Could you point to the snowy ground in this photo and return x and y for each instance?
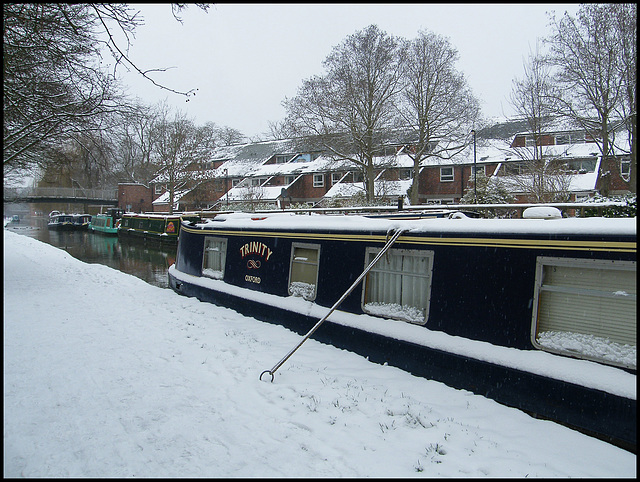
(107, 376)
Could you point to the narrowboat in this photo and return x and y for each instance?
(81, 221)
(69, 222)
(163, 228)
(61, 222)
(106, 223)
(537, 314)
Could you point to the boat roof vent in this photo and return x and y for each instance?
(542, 212)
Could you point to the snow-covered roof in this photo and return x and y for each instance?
(254, 151)
(257, 167)
(258, 194)
(177, 195)
(250, 159)
(577, 183)
(388, 188)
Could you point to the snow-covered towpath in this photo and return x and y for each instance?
(107, 376)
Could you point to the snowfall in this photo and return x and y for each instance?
(108, 376)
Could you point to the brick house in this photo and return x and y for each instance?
(134, 197)
(277, 174)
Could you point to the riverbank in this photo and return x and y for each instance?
(108, 376)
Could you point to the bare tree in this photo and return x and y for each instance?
(349, 109)
(252, 196)
(55, 87)
(535, 100)
(626, 22)
(135, 142)
(586, 52)
(85, 162)
(544, 180)
(227, 136)
(436, 102)
(280, 130)
(181, 148)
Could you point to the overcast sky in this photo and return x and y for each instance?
(245, 59)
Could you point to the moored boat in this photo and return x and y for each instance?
(538, 314)
(162, 228)
(61, 222)
(106, 223)
(69, 222)
(81, 221)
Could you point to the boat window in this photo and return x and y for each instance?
(586, 308)
(214, 257)
(399, 285)
(303, 271)
(154, 225)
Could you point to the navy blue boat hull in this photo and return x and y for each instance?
(597, 413)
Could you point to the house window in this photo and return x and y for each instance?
(214, 257)
(302, 158)
(318, 180)
(399, 285)
(581, 166)
(158, 189)
(282, 159)
(289, 179)
(577, 138)
(584, 303)
(479, 170)
(406, 174)
(514, 168)
(335, 177)
(235, 182)
(625, 169)
(446, 174)
(387, 151)
(303, 270)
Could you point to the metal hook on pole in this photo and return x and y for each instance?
(389, 242)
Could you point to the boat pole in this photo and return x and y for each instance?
(382, 252)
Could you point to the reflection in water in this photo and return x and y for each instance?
(149, 262)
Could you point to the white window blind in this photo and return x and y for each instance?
(214, 257)
(399, 285)
(303, 272)
(595, 300)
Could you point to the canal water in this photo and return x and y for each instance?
(148, 262)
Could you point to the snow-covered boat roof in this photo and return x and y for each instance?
(319, 222)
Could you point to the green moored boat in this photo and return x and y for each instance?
(156, 227)
(106, 223)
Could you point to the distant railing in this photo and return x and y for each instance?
(19, 193)
(508, 210)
